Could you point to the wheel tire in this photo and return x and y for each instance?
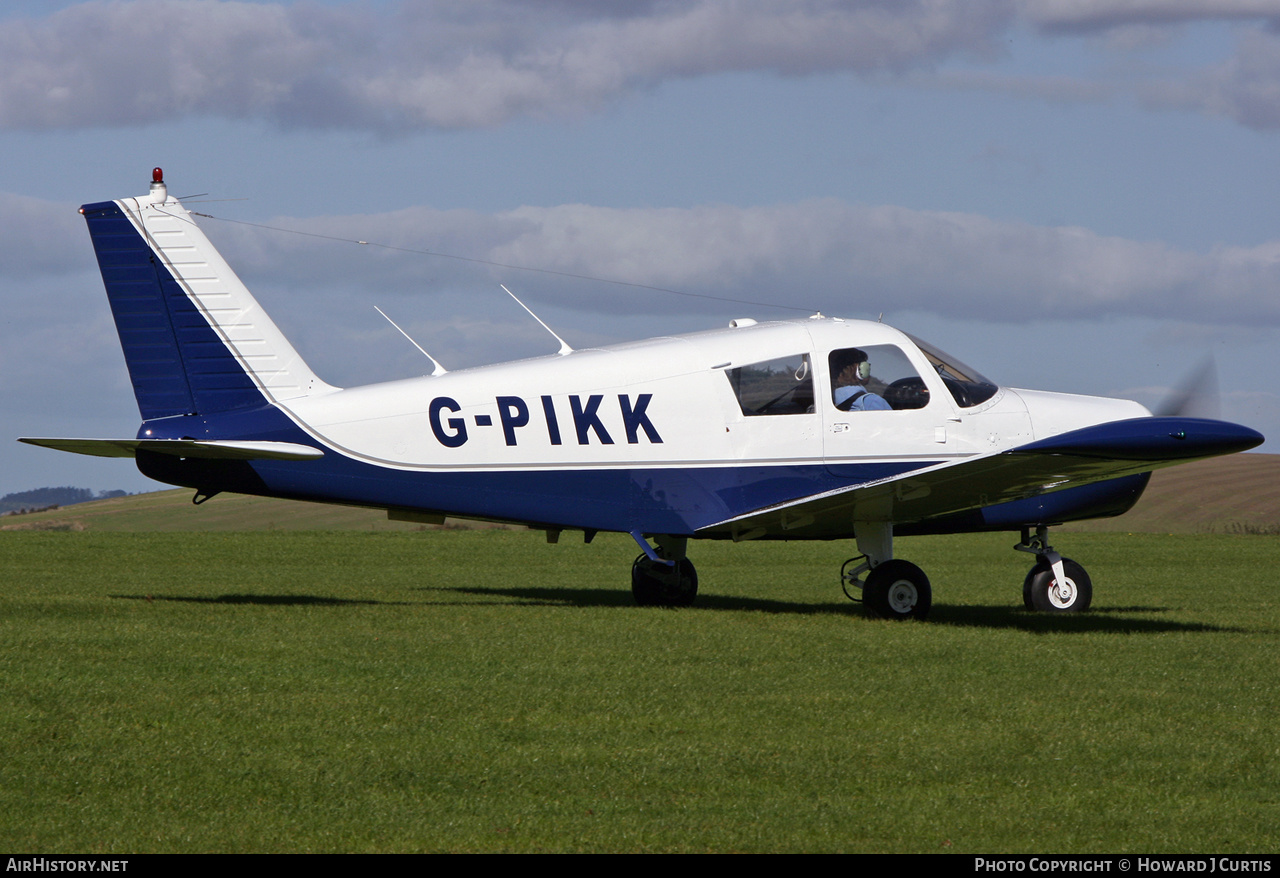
(1026, 584)
(897, 590)
(654, 584)
(1047, 597)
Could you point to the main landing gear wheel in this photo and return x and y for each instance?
(655, 584)
(1041, 592)
(897, 590)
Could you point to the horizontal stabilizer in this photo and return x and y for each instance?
(205, 449)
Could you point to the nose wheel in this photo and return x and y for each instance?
(1043, 591)
(1055, 584)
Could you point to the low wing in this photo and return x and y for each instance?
(207, 449)
(1081, 457)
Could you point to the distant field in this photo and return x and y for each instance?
(484, 691)
(1240, 493)
(173, 512)
(1235, 494)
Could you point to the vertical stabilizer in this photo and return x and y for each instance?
(195, 340)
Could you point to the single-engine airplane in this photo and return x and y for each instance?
(810, 429)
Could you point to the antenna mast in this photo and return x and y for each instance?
(439, 370)
(564, 345)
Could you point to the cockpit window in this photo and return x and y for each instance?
(967, 385)
(777, 387)
(875, 378)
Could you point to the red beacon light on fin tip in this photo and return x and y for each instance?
(158, 190)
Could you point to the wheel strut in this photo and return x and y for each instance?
(1038, 545)
(1055, 584)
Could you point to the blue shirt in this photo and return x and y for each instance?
(868, 402)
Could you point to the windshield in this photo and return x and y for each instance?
(967, 386)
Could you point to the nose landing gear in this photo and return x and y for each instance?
(1055, 584)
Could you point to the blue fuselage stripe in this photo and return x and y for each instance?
(651, 499)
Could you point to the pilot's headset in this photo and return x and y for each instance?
(863, 364)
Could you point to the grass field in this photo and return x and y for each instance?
(484, 691)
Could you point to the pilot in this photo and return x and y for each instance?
(850, 370)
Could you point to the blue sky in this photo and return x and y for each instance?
(1079, 196)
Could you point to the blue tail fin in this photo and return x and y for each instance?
(194, 338)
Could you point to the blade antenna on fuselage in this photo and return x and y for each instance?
(439, 369)
(564, 345)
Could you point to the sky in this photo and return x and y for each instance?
(1068, 195)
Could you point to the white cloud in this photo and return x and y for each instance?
(1245, 88)
(124, 63)
(442, 64)
(1103, 14)
(822, 254)
(449, 65)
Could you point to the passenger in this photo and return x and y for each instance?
(850, 370)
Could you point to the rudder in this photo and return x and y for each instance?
(195, 340)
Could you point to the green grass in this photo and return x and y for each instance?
(484, 691)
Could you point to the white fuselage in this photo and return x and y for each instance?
(669, 402)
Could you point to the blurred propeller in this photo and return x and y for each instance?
(1196, 396)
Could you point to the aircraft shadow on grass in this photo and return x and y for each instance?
(1113, 620)
(535, 596)
(294, 600)
(1109, 620)
(1117, 620)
